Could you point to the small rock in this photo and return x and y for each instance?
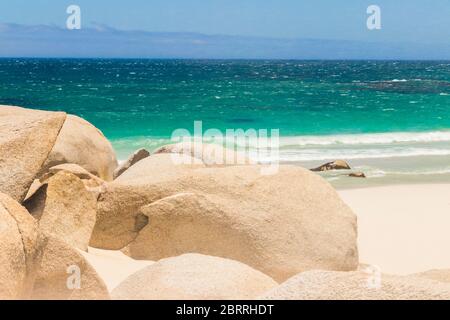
(357, 175)
(334, 165)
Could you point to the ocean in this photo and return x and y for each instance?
(389, 119)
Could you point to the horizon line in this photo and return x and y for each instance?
(221, 59)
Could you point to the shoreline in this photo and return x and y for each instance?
(364, 186)
(388, 167)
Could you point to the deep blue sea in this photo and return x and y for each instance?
(390, 119)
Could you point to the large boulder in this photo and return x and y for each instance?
(79, 142)
(65, 209)
(158, 168)
(64, 274)
(328, 285)
(26, 139)
(194, 277)
(267, 222)
(133, 159)
(18, 254)
(119, 219)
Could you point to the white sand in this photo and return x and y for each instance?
(113, 266)
(403, 229)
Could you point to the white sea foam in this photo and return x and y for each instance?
(421, 172)
(352, 155)
(399, 80)
(368, 138)
(331, 147)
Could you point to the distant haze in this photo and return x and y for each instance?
(105, 42)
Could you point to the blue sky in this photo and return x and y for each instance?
(417, 21)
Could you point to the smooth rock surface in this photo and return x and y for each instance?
(194, 277)
(79, 142)
(64, 274)
(266, 222)
(119, 219)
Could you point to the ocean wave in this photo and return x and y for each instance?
(420, 172)
(312, 148)
(399, 80)
(374, 173)
(352, 140)
(378, 173)
(324, 155)
(366, 138)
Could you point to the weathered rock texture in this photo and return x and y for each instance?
(65, 209)
(18, 250)
(26, 139)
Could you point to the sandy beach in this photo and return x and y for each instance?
(113, 266)
(402, 229)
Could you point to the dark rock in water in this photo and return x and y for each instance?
(357, 175)
(335, 165)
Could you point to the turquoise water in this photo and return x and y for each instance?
(362, 111)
